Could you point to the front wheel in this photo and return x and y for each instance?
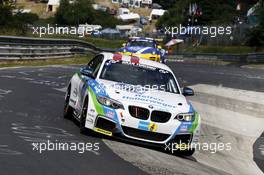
(67, 112)
(83, 116)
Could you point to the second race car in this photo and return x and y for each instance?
(147, 48)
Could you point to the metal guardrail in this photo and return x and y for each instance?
(13, 48)
(239, 58)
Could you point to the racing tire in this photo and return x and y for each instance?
(68, 110)
(83, 130)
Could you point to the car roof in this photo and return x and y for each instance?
(141, 39)
(110, 56)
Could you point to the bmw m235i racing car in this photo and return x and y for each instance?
(138, 99)
(147, 48)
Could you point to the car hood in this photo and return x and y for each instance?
(138, 49)
(158, 100)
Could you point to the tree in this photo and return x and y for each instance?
(6, 8)
(175, 15)
(80, 11)
(5, 15)
(106, 20)
(213, 12)
(166, 4)
(256, 34)
(217, 11)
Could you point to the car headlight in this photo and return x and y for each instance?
(154, 53)
(109, 102)
(187, 117)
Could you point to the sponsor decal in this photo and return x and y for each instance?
(151, 107)
(75, 92)
(152, 127)
(183, 128)
(102, 131)
(148, 99)
(110, 114)
(134, 49)
(147, 126)
(143, 125)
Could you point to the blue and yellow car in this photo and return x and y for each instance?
(147, 48)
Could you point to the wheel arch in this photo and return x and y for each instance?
(86, 98)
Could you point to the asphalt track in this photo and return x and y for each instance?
(31, 102)
(31, 111)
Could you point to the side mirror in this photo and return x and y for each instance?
(124, 44)
(87, 72)
(159, 47)
(187, 91)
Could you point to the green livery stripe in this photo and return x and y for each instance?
(79, 75)
(98, 107)
(195, 123)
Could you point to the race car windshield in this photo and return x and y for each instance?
(140, 43)
(139, 75)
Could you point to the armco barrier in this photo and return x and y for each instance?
(239, 58)
(12, 48)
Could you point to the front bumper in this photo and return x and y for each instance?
(110, 127)
(113, 122)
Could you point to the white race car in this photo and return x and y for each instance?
(120, 95)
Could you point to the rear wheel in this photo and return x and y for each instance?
(67, 112)
(83, 116)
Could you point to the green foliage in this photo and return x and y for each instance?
(213, 12)
(14, 23)
(25, 18)
(175, 15)
(7, 18)
(75, 13)
(106, 20)
(81, 12)
(166, 4)
(256, 34)
(5, 14)
(217, 11)
(58, 61)
(256, 37)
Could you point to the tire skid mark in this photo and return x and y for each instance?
(43, 134)
(5, 150)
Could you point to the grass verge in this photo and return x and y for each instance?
(46, 62)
